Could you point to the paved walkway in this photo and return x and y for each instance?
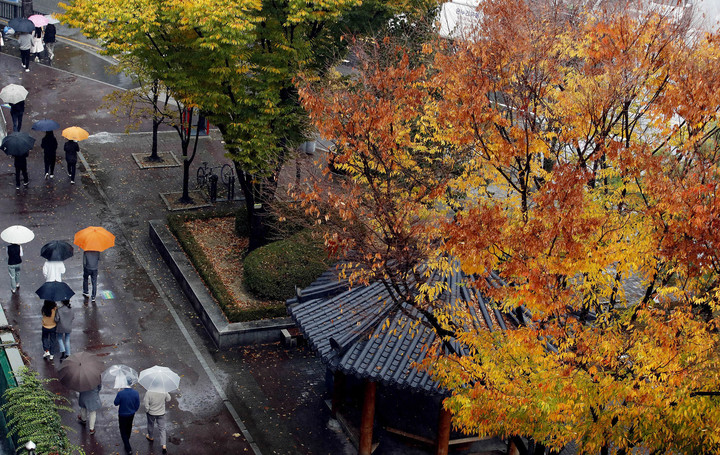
(262, 399)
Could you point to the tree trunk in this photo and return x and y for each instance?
(27, 8)
(154, 153)
(185, 198)
(155, 121)
(256, 210)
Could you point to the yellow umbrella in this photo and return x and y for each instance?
(94, 238)
(75, 133)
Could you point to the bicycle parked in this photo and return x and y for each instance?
(205, 171)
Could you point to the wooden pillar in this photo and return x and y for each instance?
(367, 419)
(512, 448)
(337, 393)
(443, 432)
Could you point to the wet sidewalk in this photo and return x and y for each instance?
(262, 399)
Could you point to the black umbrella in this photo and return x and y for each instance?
(57, 250)
(45, 125)
(55, 291)
(17, 144)
(22, 25)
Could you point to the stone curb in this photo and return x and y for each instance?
(223, 333)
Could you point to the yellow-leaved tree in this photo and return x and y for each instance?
(574, 153)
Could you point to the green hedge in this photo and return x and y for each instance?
(197, 256)
(33, 414)
(273, 271)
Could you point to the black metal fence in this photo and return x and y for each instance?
(10, 9)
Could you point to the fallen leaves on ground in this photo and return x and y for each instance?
(224, 249)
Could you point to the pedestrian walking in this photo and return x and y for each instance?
(89, 402)
(16, 112)
(20, 168)
(128, 402)
(25, 43)
(91, 260)
(15, 253)
(49, 328)
(49, 39)
(53, 270)
(71, 150)
(49, 145)
(37, 48)
(154, 403)
(64, 318)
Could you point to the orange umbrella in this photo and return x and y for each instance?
(75, 133)
(94, 238)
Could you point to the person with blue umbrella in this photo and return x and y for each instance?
(49, 144)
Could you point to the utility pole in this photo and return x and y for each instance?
(27, 8)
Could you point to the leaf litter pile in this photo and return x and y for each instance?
(224, 249)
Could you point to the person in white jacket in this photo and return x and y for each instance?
(53, 270)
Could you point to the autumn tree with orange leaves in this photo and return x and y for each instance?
(576, 154)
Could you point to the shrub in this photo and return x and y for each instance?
(32, 414)
(274, 270)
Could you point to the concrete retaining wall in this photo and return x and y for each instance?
(222, 332)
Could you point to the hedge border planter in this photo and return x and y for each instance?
(223, 333)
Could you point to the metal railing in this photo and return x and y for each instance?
(10, 9)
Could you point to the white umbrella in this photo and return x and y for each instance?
(159, 379)
(17, 234)
(51, 19)
(13, 93)
(121, 376)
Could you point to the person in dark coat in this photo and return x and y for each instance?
(71, 150)
(128, 402)
(16, 112)
(49, 39)
(15, 253)
(21, 167)
(49, 145)
(91, 259)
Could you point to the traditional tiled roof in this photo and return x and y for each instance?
(363, 332)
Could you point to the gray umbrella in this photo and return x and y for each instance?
(21, 25)
(17, 144)
(81, 371)
(13, 93)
